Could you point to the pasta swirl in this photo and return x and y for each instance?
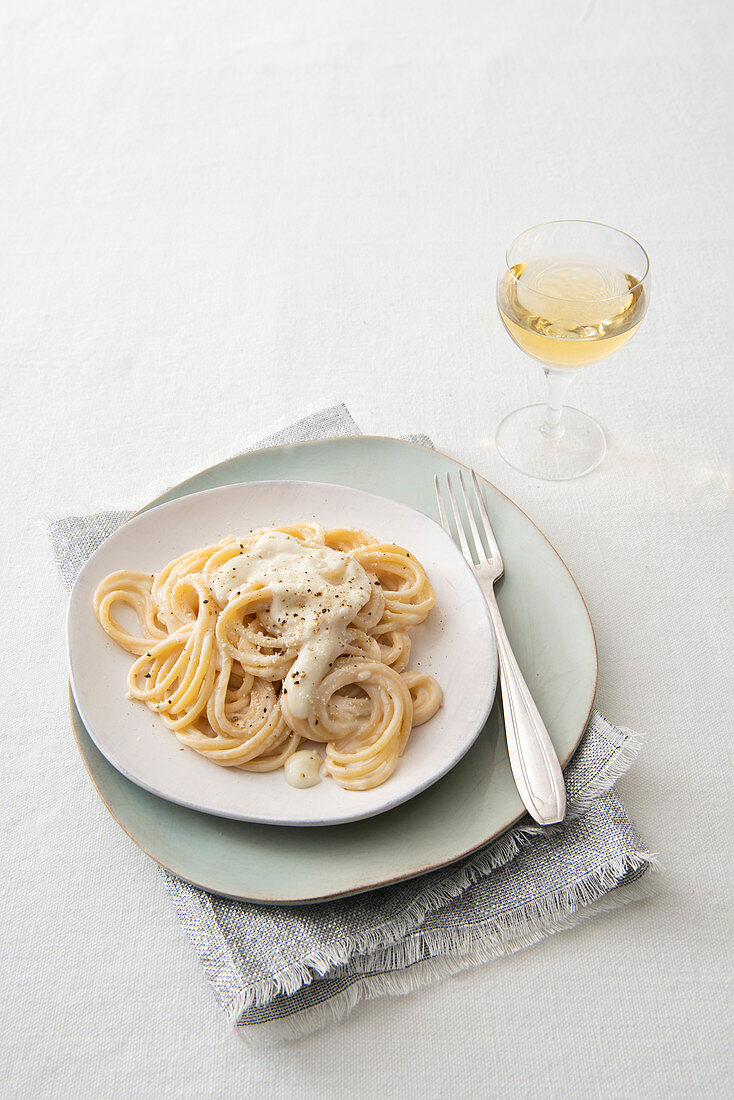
(250, 646)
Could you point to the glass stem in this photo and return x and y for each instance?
(558, 383)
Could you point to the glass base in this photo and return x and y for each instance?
(579, 450)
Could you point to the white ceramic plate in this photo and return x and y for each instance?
(455, 644)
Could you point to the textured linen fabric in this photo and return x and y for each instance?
(217, 218)
(282, 972)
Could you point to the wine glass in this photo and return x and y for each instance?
(571, 293)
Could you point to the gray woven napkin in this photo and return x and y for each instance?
(281, 972)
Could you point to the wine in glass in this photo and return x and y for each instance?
(571, 293)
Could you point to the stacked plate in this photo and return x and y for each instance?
(250, 835)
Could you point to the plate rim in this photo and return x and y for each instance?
(384, 880)
(348, 816)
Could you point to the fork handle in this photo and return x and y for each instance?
(535, 768)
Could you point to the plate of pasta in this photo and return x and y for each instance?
(291, 653)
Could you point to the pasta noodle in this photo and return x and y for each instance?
(248, 647)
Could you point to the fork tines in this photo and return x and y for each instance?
(478, 554)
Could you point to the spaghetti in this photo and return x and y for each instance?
(250, 647)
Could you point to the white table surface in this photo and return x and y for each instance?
(219, 216)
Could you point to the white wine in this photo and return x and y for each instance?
(568, 314)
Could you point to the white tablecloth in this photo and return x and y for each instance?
(219, 216)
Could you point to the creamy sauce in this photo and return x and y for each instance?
(316, 594)
(303, 769)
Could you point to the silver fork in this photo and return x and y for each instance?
(535, 768)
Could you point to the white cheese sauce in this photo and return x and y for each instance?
(303, 769)
(316, 593)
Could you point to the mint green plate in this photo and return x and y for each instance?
(553, 639)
